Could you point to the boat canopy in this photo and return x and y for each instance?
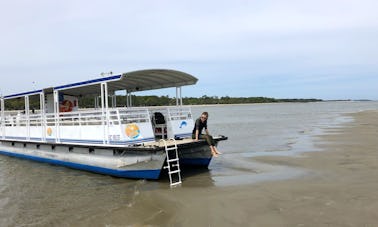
(141, 80)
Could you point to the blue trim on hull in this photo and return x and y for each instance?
(139, 174)
(195, 161)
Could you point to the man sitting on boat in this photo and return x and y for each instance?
(201, 123)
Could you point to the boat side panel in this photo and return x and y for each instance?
(200, 162)
(196, 156)
(82, 134)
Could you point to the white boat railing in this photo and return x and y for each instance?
(95, 126)
(179, 113)
(47, 126)
(179, 121)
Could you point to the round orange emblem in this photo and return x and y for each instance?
(132, 131)
(49, 131)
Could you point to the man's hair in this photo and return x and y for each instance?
(206, 114)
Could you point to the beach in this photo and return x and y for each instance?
(338, 189)
(341, 189)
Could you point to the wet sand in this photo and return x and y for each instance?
(339, 188)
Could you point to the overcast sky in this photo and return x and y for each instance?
(324, 49)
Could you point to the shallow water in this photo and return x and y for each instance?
(35, 194)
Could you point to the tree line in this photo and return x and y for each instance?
(151, 100)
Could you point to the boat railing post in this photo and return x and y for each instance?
(43, 115)
(56, 116)
(2, 118)
(119, 119)
(102, 113)
(27, 115)
(107, 114)
(169, 124)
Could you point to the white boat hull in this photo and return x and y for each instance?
(142, 162)
(145, 165)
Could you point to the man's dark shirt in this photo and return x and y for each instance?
(200, 126)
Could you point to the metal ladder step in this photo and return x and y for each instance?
(171, 148)
(174, 171)
(176, 183)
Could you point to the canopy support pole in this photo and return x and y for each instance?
(43, 115)
(27, 115)
(127, 99)
(129, 102)
(56, 111)
(96, 102)
(2, 117)
(178, 96)
(105, 111)
(114, 101)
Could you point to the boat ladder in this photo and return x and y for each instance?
(173, 164)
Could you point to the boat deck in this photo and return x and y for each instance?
(169, 142)
(180, 142)
(148, 146)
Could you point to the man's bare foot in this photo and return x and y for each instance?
(215, 150)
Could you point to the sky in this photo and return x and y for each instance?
(325, 49)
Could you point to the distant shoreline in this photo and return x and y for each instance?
(240, 104)
(152, 100)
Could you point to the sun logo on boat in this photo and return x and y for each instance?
(49, 131)
(132, 131)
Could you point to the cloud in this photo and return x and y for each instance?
(59, 42)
